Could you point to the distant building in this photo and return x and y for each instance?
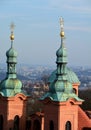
(61, 103)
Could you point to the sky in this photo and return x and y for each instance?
(37, 29)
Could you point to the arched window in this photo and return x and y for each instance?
(16, 123)
(36, 125)
(68, 125)
(51, 125)
(1, 122)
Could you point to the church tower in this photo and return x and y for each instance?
(61, 103)
(12, 98)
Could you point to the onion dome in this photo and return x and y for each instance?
(10, 87)
(11, 84)
(11, 52)
(61, 52)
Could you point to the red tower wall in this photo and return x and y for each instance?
(11, 107)
(60, 113)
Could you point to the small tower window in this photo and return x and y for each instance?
(1, 122)
(51, 125)
(16, 123)
(68, 125)
(74, 91)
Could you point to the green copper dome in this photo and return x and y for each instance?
(61, 52)
(60, 90)
(11, 52)
(11, 84)
(10, 87)
(61, 94)
(71, 76)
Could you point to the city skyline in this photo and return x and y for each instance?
(37, 29)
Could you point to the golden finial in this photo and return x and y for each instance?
(12, 29)
(62, 27)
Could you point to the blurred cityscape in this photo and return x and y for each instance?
(35, 77)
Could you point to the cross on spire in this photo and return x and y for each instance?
(61, 22)
(12, 26)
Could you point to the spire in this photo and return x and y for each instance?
(11, 85)
(11, 56)
(12, 26)
(61, 55)
(61, 89)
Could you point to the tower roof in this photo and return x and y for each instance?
(71, 76)
(60, 88)
(11, 85)
(11, 52)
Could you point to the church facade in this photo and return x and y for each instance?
(62, 109)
